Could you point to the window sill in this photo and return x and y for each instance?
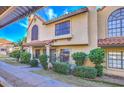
(115, 69)
(63, 36)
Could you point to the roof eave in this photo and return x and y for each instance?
(84, 10)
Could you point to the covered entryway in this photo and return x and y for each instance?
(41, 47)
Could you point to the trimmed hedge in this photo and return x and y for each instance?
(99, 70)
(79, 58)
(34, 63)
(61, 67)
(85, 72)
(25, 57)
(43, 60)
(97, 56)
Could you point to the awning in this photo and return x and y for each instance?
(11, 14)
(39, 43)
(110, 42)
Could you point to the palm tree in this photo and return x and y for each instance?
(19, 43)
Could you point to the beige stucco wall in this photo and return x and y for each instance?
(103, 33)
(83, 31)
(79, 30)
(83, 36)
(72, 49)
(102, 20)
(113, 71)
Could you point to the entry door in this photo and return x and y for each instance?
(52, 55)
(37, 53)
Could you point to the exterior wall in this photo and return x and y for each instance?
(113, 71)
(43, 34)
(102, 20)
(103, 33)
(72, 49)
(86, 29)
(83, 36)
(79, 31)
(7, 49)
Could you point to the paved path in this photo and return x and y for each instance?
(21, 77)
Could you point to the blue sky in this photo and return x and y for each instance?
(17, 30)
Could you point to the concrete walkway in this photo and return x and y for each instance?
(21, 77)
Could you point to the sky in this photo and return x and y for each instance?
(18, 30)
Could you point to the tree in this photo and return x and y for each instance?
(97, 57)
(19, 43)
(79, 58)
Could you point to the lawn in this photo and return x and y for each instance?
(77, 81)
(10, 60)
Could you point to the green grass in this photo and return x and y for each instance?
(9, 60)
(77, 81)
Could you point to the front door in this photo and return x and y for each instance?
(37, 53)
(52, 55)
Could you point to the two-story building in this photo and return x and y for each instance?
(81, 31)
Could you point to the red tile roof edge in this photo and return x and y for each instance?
(115, 41)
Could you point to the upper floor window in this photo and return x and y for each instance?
(116, 23)
(34, 33)
(62, 28)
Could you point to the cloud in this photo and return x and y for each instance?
(24, 25)
(65, 11)
(50, 13)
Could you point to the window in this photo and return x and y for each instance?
(2, 49)
(64, 55)
(34, 34)
(62, 28)
(116, 60)
(116, 23)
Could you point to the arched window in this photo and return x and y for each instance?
(116, 23)
(34, 33)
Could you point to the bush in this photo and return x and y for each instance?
(61, 67)
(15, 54)
(25, 57)
(79, 58)
(97, 57)
(34, 63)
(85, 72)
(43, 60)
(99, 70)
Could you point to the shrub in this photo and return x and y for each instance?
(34, 63)
(15, 54)
(25, 57)
(97, 57)
(79, 58)
(85, 72)
(61, 67)
(99, 70)
(43, 60)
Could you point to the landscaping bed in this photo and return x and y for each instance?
(10, 60)
(74, 80)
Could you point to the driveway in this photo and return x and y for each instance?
(19, 76)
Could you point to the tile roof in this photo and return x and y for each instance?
(115, 41)
(82, 10)
(38, 43)
(4, 42)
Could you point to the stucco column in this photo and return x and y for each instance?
(48, 52)
(31, 52)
